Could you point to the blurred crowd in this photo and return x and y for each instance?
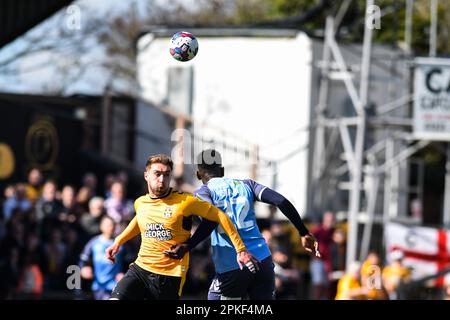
(46, 228)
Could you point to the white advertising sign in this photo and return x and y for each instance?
(432, 99)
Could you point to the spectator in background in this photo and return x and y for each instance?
(338, 251)
(109, 181)
(74, 245)
(15, 233)
(267, 235)
(9, 191)
(90, 221)
(94, 264)
(117, 207)
(90, 181)
(286, 277)
(10, 272)
(48, 209)
(84, 195)
(416, 209)
(321, 268)
(38, 239)
(447, 293)
(371, 277)
(280, 235)
(69, 212)
(35, 250)
(122, 176)
(31, 280)
(17, 200)
(395, 274)
(266, 222)
(34, 186)
(349, 286)
(55, 251)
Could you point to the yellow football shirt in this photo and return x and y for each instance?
(345, 286)
(164, 222)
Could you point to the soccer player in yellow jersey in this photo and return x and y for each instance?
(163, 218)
(349, 285)
(395, 274)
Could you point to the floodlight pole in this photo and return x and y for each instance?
(356, 173)
(332, 24)
(446, 214)
(433, 27)
(319, 149)
(408, 25)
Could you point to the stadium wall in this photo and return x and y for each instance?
(245, 89)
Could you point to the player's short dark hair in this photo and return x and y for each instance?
(209, 159)
(159, 158)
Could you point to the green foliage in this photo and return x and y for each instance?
(392, 32)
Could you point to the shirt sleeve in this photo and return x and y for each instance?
(256, 188)
(203, 231)
(206, 226)
(209, 212)
(204, 193)
(131, 231)
(86, 255)
(286, 207)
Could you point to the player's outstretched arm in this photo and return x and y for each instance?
(244, 258)
(309, 242)
(111, 252)
(311, 245)
(85, 262)
(130, 232)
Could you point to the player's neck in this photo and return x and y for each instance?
(154, 196)
(206, 178)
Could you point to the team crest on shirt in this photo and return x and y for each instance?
(168, 212)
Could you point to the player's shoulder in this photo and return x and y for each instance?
(242, 183)
(202, 189)
(180, 194)
(140, 200)
(186, 198)
(203, 193)
(248, 181)
(92, 241)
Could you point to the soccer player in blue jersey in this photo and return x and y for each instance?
(236, 198)
(94, 264)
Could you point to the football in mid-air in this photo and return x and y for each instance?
(183, 46)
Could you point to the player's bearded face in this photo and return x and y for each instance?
(158, 178)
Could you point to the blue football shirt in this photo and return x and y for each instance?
(104, 270)
(236, 198)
